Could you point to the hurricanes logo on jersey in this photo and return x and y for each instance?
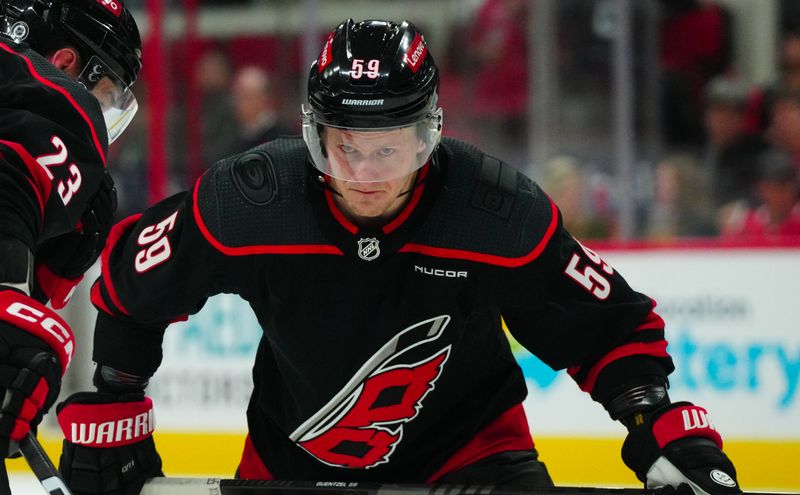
(363, 424)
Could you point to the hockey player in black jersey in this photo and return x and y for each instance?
(66, 67)
(379, 260)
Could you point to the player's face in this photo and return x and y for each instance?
(360, 159)
(106, 92)
(372, 156)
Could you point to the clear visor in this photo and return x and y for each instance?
(374, 154)
(116, 99)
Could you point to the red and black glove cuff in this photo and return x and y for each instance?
(104, 420)
(27, 314)
(657, 430)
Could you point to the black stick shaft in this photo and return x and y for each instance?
(42, 466)
(216, 486)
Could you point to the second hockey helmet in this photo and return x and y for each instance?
(373, 76)
(105, 35)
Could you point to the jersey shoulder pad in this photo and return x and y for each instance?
(60, 104)
(487, 206)
(259, 198)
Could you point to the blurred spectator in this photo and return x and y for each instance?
(566, 183)
(729, 157)
(777, 213)
(255, 107)
(128, 160)
(761, 99)
(500, 50)
(681, 206)
(218, 130)
(695, 47)
(784, 127)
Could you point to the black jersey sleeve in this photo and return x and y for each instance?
(157, 268)
(576, 312)
(53, 145)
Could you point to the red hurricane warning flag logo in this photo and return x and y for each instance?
(363, 424)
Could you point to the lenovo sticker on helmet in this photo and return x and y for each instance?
(416, 53)
(327, 54)
(112, 6)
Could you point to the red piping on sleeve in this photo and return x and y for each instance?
(652, 322)
(113, 238)
(490, 259)
(42, 185)
(260, 249)
(65, 93)
(656, 349)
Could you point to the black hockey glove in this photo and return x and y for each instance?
(108, 444)
(36, 346)
(62, 261)
(677, 446)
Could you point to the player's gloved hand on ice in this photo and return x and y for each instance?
(677, 446)
(108, 444)
(36, 346)
(62, 261)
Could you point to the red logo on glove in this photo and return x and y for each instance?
(30, 315)
(107, 425)
(684, 421)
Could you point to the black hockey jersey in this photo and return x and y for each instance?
(383, 356)
(53, 145)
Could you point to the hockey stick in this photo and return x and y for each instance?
(42, 466)
(216, 486)
(51, 481)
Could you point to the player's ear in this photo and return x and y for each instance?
(68, 60)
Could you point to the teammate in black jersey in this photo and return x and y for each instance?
(66, 67)
(379, 259)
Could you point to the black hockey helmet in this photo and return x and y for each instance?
(103, 31)
(373, 75)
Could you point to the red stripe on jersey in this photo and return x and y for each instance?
(260, 249)
(510, 431)
(419, 188)
(656, 349)
(338, 215)
(652, 322)
(113, 238)
(42, 184)
(65, 93)
(251, 467)
(490, 259)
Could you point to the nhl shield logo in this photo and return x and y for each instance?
(369, 249)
